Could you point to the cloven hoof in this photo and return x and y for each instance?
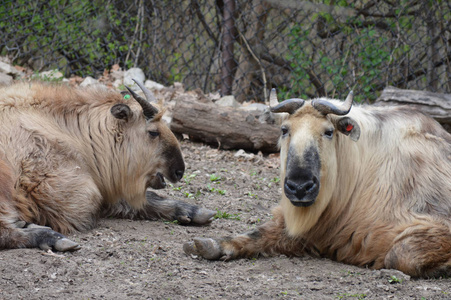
(205, 247)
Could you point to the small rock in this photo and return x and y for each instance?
(134, 73)
(89, 81)
(253, 107)
(228, 101)
(266, 117)
(5, 59)
(5, 79)
(242, 154)
(8, 69)
(149, 84)
(389, 273)
(430, 288)
(117, 83)
(51, 75)
(117, 73)
(214, 96)
(178, 87)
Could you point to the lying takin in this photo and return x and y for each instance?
(69, 156)
(369, 187)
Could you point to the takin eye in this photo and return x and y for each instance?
(284, 130)
(153, 134)
(329, 133)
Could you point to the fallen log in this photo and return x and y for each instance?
(436, 105)
(224, 127)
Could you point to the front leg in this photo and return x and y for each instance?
(268, 239)
(27, 235)
(157, 207)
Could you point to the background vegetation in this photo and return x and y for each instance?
(302, 48)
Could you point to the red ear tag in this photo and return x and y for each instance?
(349, 127)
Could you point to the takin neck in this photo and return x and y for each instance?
(99, 138)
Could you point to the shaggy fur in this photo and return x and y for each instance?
(66, 156)
(384, 200)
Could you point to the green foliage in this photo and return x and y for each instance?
(393, 279)
(361, 62)
(56, 26)
(224, 215)
(275, 180)
(178, 67)
(300, 63)
(187, 178)
(188, 195)
(171, 222)
(215, 178)
(250, 194)
(374, 55)
(52, 77)
(213, 189)
(347, 296)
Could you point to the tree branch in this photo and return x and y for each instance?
(200, 16)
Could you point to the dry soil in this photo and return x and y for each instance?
(123, 259)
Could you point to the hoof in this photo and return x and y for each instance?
(37, 226)
(184, 220)
(204, 216)
(47, 239)
(20, 224)
(205, 247)
(65, 244)
(190, 249)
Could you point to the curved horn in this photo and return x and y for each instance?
(273, 101)
(288, 106)
(149, 95)
(148, 109)
(326, 107)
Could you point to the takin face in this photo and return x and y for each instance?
(160, 157)
(309, 156)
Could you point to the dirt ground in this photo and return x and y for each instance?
(123, 259)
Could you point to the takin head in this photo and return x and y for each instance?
(308, 154)
(151, 153)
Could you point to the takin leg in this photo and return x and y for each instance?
(26, 235)
(158, 207)
(422, 250)
(267, 239)
(19, 234)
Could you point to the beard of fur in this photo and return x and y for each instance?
(300, 220)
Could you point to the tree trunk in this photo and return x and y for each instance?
(225, 127)
(436, 105)
(228, 39)
(247, 65)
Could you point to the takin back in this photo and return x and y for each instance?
(69, 156)
(369, 186)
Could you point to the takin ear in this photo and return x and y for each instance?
(121, 111)
(348, 126)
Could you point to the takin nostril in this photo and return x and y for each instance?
(179, 174)
(290, 186)
(308, 186)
